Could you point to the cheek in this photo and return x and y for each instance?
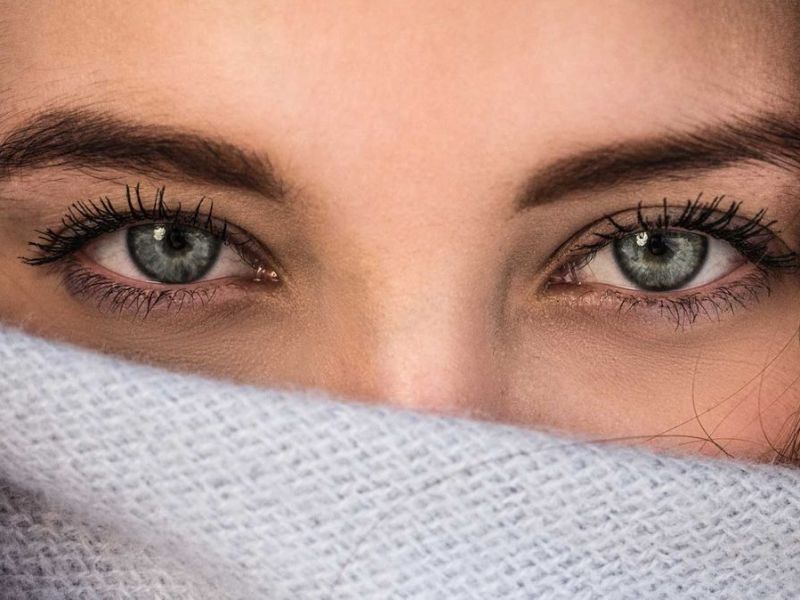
(718, 388)
(747, 401)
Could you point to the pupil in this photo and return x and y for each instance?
(176, 239)
(657, 245)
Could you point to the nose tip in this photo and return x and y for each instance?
(433, 375)
(442, 392)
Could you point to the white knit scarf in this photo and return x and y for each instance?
(123, 481)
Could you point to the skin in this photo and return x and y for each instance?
(404, 131)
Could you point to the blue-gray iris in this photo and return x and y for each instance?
(172, 253)
(661, 261)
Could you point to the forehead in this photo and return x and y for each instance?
(439, 77)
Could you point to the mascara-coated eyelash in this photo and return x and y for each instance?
(86, 220)
(753, 238)
(118, 297)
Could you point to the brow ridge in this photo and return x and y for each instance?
(770, 139)
(90, 139)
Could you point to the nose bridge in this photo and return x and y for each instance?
(428, 335)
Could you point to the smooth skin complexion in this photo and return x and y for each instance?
(411, 203)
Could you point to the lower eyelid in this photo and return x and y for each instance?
(124, 297)
(741, 289)
(82, 260)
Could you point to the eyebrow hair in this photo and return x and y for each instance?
(767, 138)
(88, 139)
(84, 138)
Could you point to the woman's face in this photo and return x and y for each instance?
(571, 214)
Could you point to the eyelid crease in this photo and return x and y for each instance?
(684, 309)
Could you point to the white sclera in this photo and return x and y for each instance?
(110, 251)
(721, 259)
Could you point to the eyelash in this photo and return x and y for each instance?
(751, 237)
(87, 220)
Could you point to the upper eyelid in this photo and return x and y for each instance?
(85, 221)
(572, 252)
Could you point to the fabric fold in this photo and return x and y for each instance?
(123, 480)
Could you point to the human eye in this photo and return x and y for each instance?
(144, 256)
(695, 259)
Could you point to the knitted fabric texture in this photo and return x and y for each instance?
(124, 481)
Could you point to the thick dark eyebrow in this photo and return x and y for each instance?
(87, 139)
(769, 138)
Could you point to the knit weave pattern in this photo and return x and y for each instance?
(120, 480)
